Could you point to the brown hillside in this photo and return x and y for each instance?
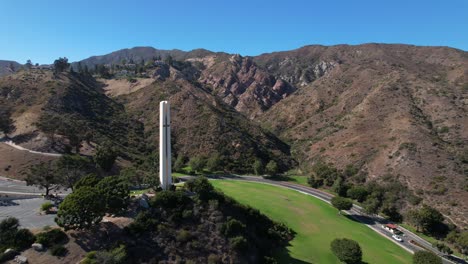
(390, 109)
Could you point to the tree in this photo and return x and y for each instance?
(392, 213)
(44, 175)
(28, 64)
(371, 205)
(114, 191)
(426, 218)
(90, 180)
(214, 162)
(179, 163)
(105, 156)
(202, 187)
(426, 257)
(81, 209)
(197, 163)
(258, 167)
(347, 250)
(6, 122)
(72, 168)
(341, 203)
(358, 193)
(152, 180)
(61, 64)
(340, 187)
(443, 248)
(271, 168)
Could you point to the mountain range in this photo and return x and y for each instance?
(389, 110)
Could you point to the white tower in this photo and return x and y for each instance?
(165, 172)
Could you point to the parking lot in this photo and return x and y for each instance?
(26, 211)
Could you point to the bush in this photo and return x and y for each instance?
(341, 203)
(202, 187)
(52, 237)
(347, 250)
(23, 239)
(426, 257)
(232, 227)
(58, 250)
(239, 243)
(183, 236)
(46, 206)
(214, 259)
(170, 199)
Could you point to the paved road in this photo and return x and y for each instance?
(373, 222)
(19, 188)
(18, 147)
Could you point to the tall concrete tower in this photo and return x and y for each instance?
(165, 172)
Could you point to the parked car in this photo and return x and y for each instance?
(397, 238)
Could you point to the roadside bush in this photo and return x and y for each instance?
(23, 239)
(426, 257)
(46, 206)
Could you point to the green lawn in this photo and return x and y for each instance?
(315, 222)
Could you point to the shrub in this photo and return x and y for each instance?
(46, 206)
(202, 187)
(239, 243)
(341, 203)
(213, 259)
(183, 236)
(170, 199)
(52, 237)
(58, 250)
(232, 227)
(426, 257)
(23, 239)
(347, 250)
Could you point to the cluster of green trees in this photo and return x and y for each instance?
(68, 170)
(198, 164)
(271, 168)
(91, 199)
(386, 197)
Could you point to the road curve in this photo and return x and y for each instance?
(371, 221)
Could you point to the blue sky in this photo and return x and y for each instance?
(45, 30)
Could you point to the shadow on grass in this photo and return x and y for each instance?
(283, 256)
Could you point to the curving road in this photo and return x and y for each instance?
(372, 221)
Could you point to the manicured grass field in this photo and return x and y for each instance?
(315, 222)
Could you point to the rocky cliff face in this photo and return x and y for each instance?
(241, 84)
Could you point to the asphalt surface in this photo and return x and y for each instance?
(374, 222)
(23, 202)
(26, 211)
